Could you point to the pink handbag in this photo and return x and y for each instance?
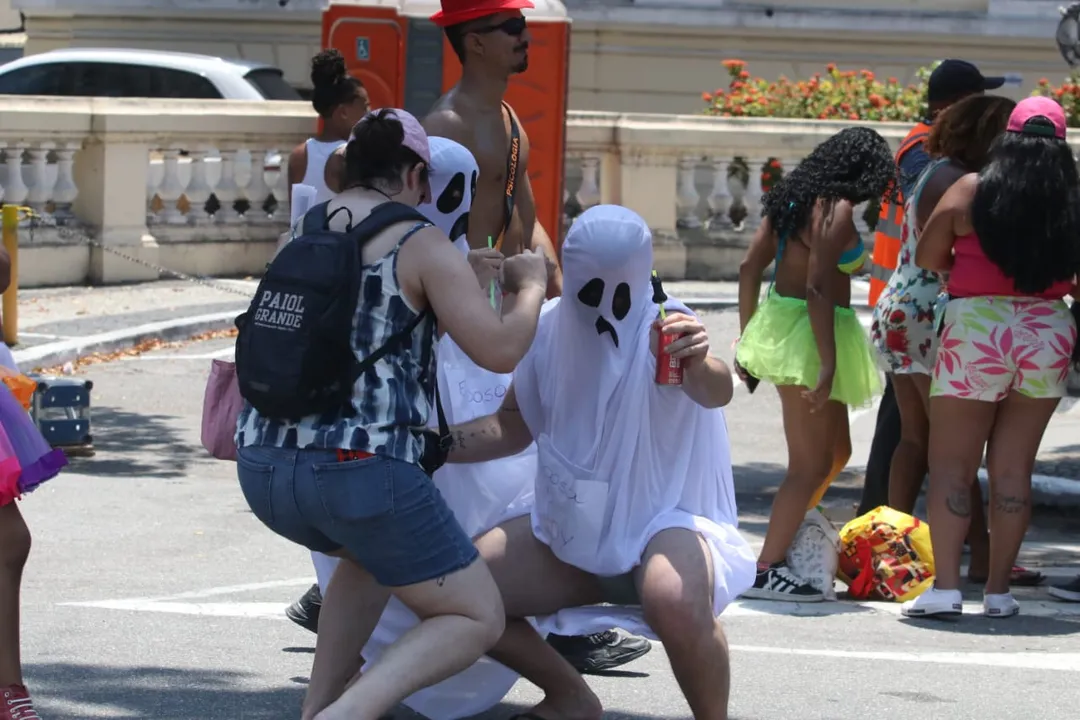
(221, 408)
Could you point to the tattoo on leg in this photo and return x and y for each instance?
(441, 581)
(959, 503)
(1010, 504)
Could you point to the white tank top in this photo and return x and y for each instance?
(318, 153)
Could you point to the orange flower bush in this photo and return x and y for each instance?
(835, 95)
(1068, 94)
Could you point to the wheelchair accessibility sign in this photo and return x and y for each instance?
(363, 49)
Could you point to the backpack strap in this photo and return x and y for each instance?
(384, 216)
(315, 219)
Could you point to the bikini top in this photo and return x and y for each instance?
(851, 261)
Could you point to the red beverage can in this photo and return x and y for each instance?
(668, 369)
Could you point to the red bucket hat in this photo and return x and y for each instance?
(459, 11)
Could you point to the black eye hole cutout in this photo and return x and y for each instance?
(452, 195)
(592, 293)
(620, 303)
(472, 191)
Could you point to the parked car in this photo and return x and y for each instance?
(108, 72)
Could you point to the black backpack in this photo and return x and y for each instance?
(293, 352)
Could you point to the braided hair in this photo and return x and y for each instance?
(332, 85)
(855, 164)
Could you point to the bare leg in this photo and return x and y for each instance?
(1018, 431)
(977, 538)
(811, 441)
(14, 550)
(352, 606)
(841, 455)
(534, 582)
(461, 617)
(675, 584)
(908, 468)
(954, 462)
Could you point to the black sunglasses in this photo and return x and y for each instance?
(514, 26)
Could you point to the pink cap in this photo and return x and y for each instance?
(415, 138)
(1042, 107)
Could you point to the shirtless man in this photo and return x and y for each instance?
(491, 39)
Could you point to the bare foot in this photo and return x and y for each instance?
(579, 706)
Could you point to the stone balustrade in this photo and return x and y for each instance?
(697, 180)
(123, 187)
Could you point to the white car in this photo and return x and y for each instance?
(108, 72)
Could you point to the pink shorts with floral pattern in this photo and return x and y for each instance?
(991, 346)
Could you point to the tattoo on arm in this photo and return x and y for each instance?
(458, 440)
(959, 503)
(1010, 504)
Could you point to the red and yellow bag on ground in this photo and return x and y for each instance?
(886, 555)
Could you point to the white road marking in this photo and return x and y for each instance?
(1063, 662)
(187, 603)
(258, 610)
(766, 608)
(208, 592)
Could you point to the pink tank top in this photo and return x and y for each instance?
(974, 275)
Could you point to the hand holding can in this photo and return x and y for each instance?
(669, 370)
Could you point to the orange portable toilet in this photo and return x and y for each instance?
(404, 61)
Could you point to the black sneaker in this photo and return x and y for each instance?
(779, 583)
(600, 651)
(1069, 592)
(305, 611)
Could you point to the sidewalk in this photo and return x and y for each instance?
(60, 325)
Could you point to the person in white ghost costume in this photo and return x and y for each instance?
(481, 495)
(634, 503)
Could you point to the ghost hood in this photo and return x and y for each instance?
(607, 263)
(453, 186)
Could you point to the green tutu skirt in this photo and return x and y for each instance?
(778, 346)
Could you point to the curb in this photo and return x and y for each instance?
(714, 303)
(727, 302)
(60, 352)
(1046, 490)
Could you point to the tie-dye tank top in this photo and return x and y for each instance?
(391, 401)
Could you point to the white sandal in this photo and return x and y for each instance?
(1000, 606)
(935, 603)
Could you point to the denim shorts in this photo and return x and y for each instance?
(386, 513)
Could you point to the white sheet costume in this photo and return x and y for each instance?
(481, 495)
(620, 457)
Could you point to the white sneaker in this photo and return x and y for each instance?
(934, 603)
(1000, 606)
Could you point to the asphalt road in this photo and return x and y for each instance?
(153, 593)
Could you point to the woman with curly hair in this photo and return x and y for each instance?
(804, 337)
(1009, 237)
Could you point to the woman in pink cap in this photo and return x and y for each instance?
(1009, 239)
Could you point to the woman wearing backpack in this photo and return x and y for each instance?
(350, 483)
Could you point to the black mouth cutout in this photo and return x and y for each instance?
(461, 227)
(603, 326)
